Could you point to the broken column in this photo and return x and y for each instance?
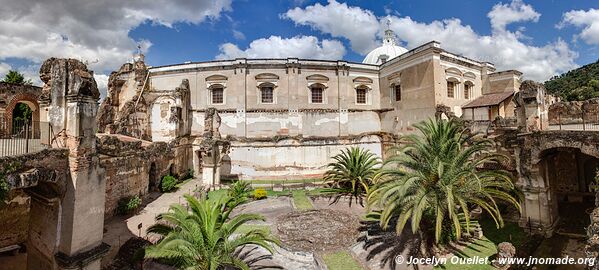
(212, 149)
(531, 111)
(69, 103)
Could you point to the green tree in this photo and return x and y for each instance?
(16, 77)
(435, 180)
(352, 172)
(201, 238)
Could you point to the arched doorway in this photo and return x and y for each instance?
(152, 177)
(570, 174)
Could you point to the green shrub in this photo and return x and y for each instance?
(128, 205)
(259, 194)
(168, 183)
(240, 189)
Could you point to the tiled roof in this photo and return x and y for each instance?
(488, 100)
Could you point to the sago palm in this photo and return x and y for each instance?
(435, 180)
(202, 238)
(352, 172)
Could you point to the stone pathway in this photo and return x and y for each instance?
(119, 229)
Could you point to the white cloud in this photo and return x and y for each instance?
(588, 20)
(96, 31)
(358, 25)
(102, 82)
(516, 11)
(276, 47)
(504, 48)
(4, 68)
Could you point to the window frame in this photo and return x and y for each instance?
(212, 93)
(322, 93)
(453, 88)
(365, 89)
(261, 89)
(396, 97)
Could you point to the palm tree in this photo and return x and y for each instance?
(352, 172)
(436, 179)
(202, 238)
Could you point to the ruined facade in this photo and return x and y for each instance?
(284, 118)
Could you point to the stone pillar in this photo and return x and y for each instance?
(531, 111)
(70, 103)
(212, 148)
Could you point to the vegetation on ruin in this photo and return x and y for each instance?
(201, 238)
(168, 183)
(577, 84)
(16, 77)
(434, 181)
(128, 205)
(6, 169)
(352, 173)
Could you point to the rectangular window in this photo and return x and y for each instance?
(267, 95)
(316, 95)
(217, 96)
(450, 89)
(361, 96)
(397, 93)
(467, 91)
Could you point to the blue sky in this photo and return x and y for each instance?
(539, 37)
(260, 19)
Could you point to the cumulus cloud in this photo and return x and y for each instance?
(358, 25)
(95, 31)
(504, 48)
(277, 47)
(588, 20)
(517, 11)
(102, 82)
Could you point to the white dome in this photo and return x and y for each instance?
(386, 52)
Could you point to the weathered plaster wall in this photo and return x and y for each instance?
(289, 158)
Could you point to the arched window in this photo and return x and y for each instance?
(361, 94)
(267, 93)
(217, 94)
(317, 93)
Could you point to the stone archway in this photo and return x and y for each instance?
(546, 184)
(25, 98)
(569, 174)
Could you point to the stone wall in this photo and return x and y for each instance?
(132, 167)
(572, 112)
(15, 214)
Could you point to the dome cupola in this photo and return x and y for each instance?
(387, 51)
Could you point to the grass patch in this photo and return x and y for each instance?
(481, 248)
(511, 232)
(248, 227)
(302, 202)
(217, 194)
(340, 260)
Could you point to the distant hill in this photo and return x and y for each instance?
(577, 84)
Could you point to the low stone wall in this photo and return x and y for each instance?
(572, 112)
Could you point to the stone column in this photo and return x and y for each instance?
(70, 104)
